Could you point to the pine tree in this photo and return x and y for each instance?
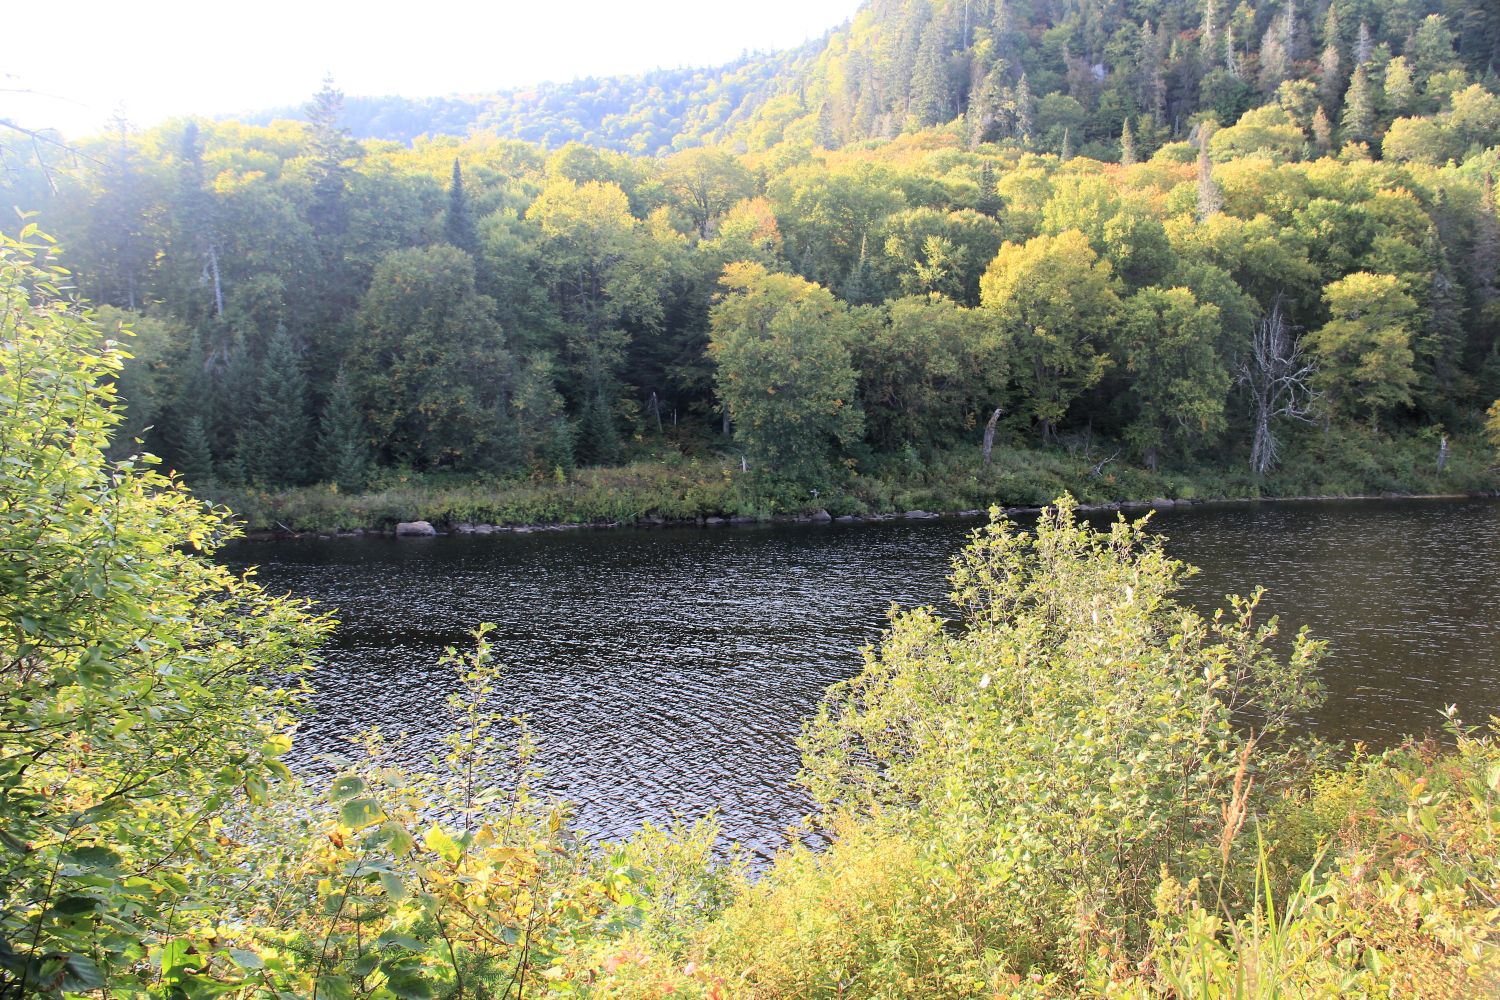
(1152, 83)
(1364, 45)
(344, 448)
(458, 224)
(328, 147)
(824, 137)
(1276, 50)
(1210, 198)
(1358, 121)
(988, 203)
(1210, 30)
(1330, 63)
(1484, 275)
(1322, 131)
(195, 218)
(1127, 145)
(195, 458)
(1442, 341)
(1025, 112)
(930, 97)
(1066, 153)
(275, 443)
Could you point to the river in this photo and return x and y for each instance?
(669, 670)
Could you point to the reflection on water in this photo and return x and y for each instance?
(671, 669)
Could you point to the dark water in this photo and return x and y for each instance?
(671, 669)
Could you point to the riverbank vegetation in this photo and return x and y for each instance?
(968, 251)
(1078, 788)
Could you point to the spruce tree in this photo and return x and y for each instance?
(1330, 63)
(1364, 45)
(195, 456)
(1358, 121)
(988, 203)
(1127, 145)
(1025, 112)
(458, 224)
(276, 442)
(1322, 131)
(1484, 275)
(328, 147)
(343, 448)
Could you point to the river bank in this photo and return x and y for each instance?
(673, 489)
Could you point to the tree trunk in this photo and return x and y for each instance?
(989, 433)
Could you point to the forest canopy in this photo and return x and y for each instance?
(1081, 217)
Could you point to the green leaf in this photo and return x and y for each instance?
(333, 988)
(408, 985)
(246, 959)
(357, 814)
(346, 787)
(81, 975)
(90, 861)
(392, 885)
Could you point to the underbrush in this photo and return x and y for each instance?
(679, 488)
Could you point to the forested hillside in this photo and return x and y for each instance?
(646, 115)
(1061, 75)
(1259, 260)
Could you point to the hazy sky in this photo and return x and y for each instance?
(159, 58)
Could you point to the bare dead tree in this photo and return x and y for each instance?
(1097, 469)
(989, 433)
(1279, 379)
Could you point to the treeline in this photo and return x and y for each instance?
(1065, 76)
(645, 115)
(308, 308)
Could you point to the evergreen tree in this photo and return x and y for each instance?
(195, 220)
(930, 97)
(824, 136)
(1276, 51)
(1364, 45)
(328, 147)
(1330, 63)
(458, 224)
(275, 443)
(1484, 276)
(1322, 131)
(1127, 145)
(1358, 121)
(1025, 112)
(195, 456)
(988, 203)
(343, 445)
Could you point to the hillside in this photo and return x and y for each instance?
(647, 114)
(1055, 73)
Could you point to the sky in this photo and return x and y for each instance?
(73, 67)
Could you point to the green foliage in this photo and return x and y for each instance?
(278, 439)
(1166, 344)
(144, 703)
(433, 370)
(1365, 350)
(784, 372)
(1056, 301)
(577, 331)
(343, 441)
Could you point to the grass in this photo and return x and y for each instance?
(673, 487)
